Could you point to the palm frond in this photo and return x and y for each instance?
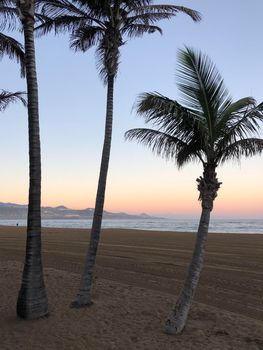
(9, 18)
(201, 86)
(84, 38)
(246, 147)
(165, 145)
(57, 8)
(149, 18)
(237, 107)
(60, 24)
(163, 8)
(159, 109)
(63, 16)
(192, 152)
(247, 123)
(129, 4)
(6, 98)
(160, 143)
(240, 125)
(169, 115)
(13, 49)
(137, 30)
(230, 113)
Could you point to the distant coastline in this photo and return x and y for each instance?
(13, 211)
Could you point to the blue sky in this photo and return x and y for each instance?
(72, 113)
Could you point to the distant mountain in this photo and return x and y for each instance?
(12, 211)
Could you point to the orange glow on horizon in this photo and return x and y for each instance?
(165, 192)
(189, 206)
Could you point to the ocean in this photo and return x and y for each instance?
(180, 225)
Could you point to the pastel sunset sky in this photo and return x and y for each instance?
(72, 114)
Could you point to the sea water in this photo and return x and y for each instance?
(179, 225)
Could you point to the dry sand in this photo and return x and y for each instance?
(138, 277)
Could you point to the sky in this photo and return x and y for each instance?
(72, 113)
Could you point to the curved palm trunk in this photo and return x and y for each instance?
(208, 186)
(32, 300)
(83, 297)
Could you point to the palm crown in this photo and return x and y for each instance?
(105, 24)
(208, 126)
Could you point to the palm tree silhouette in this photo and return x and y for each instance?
(32, 300)
(208, 127)
(104, 24)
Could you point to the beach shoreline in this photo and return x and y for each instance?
(217, 225)
(138, 276)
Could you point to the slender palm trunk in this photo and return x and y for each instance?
(83, 297)
(32, 300)
(208, 187)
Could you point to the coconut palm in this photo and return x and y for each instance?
(8, 45)
(104, 24)
(207, 127)
(32, 300)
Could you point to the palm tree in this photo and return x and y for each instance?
(208, 127)
(103, 24)
(10, 97)
(8, 45)
(32, 300)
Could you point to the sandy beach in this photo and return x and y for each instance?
(138, 276)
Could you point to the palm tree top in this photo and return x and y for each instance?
(206, 124)
(105, 24)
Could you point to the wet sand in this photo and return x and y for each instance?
(138, 276)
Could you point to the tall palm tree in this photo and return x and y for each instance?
(8, 45)
(32, 300)
(104, 24)
(208, 127)
(6, 98)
